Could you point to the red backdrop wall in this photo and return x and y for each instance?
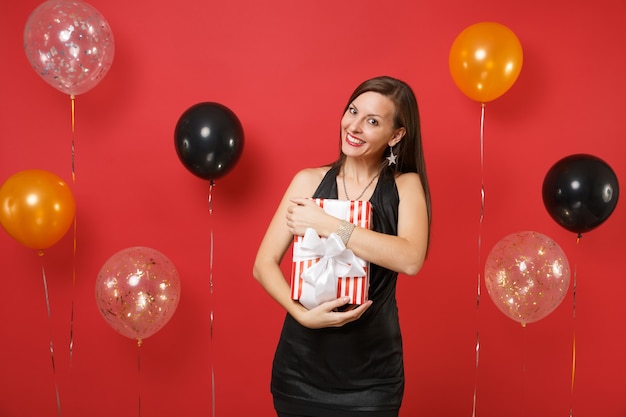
(286, 68)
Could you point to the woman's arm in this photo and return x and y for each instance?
(404, 253)
(275, 244)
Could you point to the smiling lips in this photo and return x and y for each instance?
(353, 140)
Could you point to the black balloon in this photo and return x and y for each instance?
(580, 192)
(209, 140)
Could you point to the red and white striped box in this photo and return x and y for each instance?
(356, 287)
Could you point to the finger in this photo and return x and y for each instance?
(333, 305)
(339, 302)
(305, 201)
(357, 312)
(299, 200)
(341, 317)
(362, 308)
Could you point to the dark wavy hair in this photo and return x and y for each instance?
(409, 150)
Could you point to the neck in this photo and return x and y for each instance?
(363, 187)
(360, 172)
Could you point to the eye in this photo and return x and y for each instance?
(352, 110)
(373, 122)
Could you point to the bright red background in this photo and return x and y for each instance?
(286, 68)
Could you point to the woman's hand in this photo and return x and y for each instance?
(326, 314)
(305, 213)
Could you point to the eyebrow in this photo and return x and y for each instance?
(370, 114)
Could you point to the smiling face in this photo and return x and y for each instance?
(367, 127)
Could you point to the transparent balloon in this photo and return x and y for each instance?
(527, 276)
(69, 44)
(137, 292)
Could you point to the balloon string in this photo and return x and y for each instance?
(482, 159)
(73, 124)
(45, 287)
(210, 198)
(476, 374)
(211, 185)
(73, 101)
(571, 410)
(480, 227)
(71, 345)
(139, 377)
(211, 248)
(524, 362)
(482, 195)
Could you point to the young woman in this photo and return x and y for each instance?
(345, 362)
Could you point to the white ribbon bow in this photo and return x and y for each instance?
(336, 261)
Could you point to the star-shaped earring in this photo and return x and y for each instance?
(392, 157)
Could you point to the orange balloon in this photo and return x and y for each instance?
(36, 208)
(485, 60)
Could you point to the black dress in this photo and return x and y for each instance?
(356, 369)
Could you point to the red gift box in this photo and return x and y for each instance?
(330, 260)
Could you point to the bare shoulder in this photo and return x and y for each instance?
(409, 183)
(306, 181)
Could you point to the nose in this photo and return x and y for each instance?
(355, 125)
